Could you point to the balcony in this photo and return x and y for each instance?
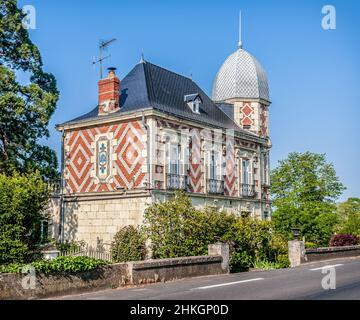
(215, 186)
(247, 190)
(176, 181)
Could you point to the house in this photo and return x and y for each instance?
(155, 132)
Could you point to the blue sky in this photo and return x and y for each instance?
(313, 73)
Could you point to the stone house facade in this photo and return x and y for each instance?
(155, 132)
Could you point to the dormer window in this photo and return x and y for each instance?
(196, 106)
(193, 101)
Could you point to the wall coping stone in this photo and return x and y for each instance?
(332, 249)
(160, 263)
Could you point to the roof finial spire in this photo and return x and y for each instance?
(240, 31)
(142, 60)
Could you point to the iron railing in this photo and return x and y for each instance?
(215, 186)
(176, 181)
(247, 190)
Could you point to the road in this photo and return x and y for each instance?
(303, 282)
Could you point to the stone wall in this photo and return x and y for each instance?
(117, 275)
(320, 254)
(52, 211)
(298, 254)
(111, 276)
(96, 220)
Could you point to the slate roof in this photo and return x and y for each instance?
(150, 86)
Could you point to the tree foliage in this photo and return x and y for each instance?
(22, 199)
(349, 213)
(177, 229)
(25, 108)
(304, 189)
(253, 241)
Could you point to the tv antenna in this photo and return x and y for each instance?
(102, 47)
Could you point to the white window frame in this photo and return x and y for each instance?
(174, 159)
(246, 172)
(215, 165)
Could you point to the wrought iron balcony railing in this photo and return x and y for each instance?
(215, 186)
(247, 190)
(176, 181)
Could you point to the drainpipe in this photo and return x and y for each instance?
(147, 128)
(62, 184)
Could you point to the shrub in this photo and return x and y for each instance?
(128, 245)
(310, 245)
(177, 229)
(254, 244)
(22, 200)
(251, 240)
(58, 265)
(340, 240)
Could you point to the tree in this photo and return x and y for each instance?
(349, 212)
(177, 229)
(22, 200)
(304, 189)
(25, 108)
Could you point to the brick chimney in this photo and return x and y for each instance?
(109, 93)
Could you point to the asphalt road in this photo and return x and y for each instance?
(304, 282)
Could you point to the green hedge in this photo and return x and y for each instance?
(60, 264)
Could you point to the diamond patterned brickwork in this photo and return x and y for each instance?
(264, 121)
(125, 158)
(246, 114)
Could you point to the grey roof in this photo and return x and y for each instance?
(191, 97)
(227, 108)
(150, 86)
(240, 76)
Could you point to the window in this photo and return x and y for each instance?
(193, 101)
(215, 165)
(174, 159)
(266, 169)
(196, 106)
(246, 171)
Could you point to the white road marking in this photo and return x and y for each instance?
(327, 266)
(228, 284)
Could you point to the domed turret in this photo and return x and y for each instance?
(240, 77)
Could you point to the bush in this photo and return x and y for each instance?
(340, 240)
(177, 229)
(254, 242)
(128, 245)
(58, 265)
(22, 200)
(310, 245)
